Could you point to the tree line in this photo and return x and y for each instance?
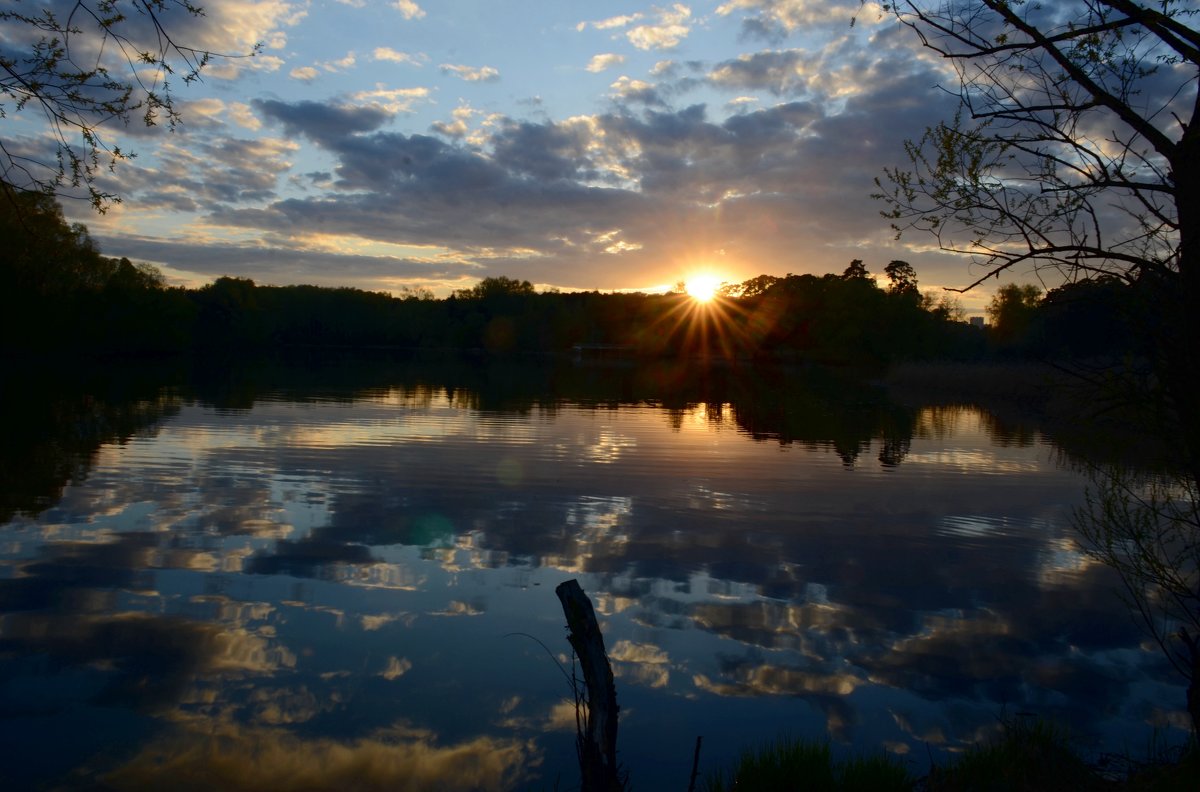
(64, 295)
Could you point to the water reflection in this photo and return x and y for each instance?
(331, 579)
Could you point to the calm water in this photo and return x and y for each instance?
(276, 577)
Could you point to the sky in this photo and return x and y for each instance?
(611, 146)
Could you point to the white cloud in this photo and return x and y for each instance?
(234, 28)
(471, 73)
(393, 100)
(458, 127)
(340, 64)
(791, 15)
(396, 56)
(627, 87)
(408, 9)
(304, 73)
(603, 61)
(610, 23)
(241, 114)
(665, 33)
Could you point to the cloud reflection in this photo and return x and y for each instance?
(234, 757)
(260, 571)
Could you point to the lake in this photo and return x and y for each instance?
(340, 573)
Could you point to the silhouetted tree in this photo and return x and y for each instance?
(753, 287)
(1099, 316)
(856, 270)
(493, 287)
(42, 253)
(902, 278)
(1011, 313)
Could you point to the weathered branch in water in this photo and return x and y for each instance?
(596, 739)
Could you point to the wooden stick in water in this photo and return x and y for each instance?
(596, 739)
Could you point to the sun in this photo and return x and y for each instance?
(702, 287)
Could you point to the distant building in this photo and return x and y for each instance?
(977, 321)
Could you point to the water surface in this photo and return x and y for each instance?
(270, 577)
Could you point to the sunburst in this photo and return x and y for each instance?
(702, 287)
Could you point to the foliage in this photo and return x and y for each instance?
(92, 62)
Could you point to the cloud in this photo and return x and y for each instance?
(396, 668)
(395, 56)
(773, 19)
(214, 755)
(610, 23)
(243, 115)
(196, 171)
(341, 64)
(378, 621)
(304, 73)
(778, 174)
(606, 60)
(319, 121)
(392, 100)
(630, 90)
(781, 73)
(665, 32)
(741, 102)
(471, 73)
(645, 664)
(529, 198)
(149, 662)
(408, 9)
(234, 28)
(667, 28)
(458, 127)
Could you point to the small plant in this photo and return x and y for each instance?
(788, 764)
(1029, 753)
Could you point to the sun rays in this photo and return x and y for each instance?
(704, 322)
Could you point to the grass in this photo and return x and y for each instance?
(1029, 755)
(788, 764)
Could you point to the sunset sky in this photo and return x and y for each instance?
(616, 145)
